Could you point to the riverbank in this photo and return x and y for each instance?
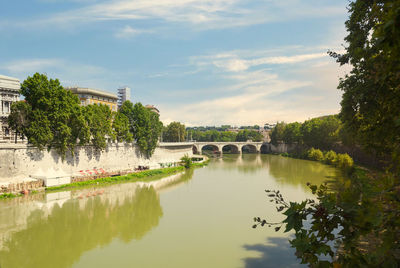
(141, 176)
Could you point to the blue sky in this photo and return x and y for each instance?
(209, 62)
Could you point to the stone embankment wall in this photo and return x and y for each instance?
(20, 163)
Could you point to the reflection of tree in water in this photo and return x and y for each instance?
(60, 239)
(246, 163)
(299, 172)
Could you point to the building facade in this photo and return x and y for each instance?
(93, 96)
(124, 94)
(9, 93)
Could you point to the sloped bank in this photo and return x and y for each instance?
(24, 165)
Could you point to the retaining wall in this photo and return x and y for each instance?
(21, 163)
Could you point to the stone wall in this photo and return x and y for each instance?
(22, 163)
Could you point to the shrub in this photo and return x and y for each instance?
(187, 161)
(344, 161)
(330, 157)
(315, 154)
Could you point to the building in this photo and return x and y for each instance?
(9, 93)
(152, 108)
(93, 96)
(124, 94)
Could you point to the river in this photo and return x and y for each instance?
(201, 218)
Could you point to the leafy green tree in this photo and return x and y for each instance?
(56, 120)
(98, 118)
(292, 133)
(120, 125)
(127, 110)
(18, 119)
(321, 132)
(174, 132)
(277, 133)
(371, 91)
(245, 135)
(362, 217)
(146, 127)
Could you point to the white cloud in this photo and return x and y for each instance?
(304, 87)
(197, 14)
(128, 32)
(237, 61)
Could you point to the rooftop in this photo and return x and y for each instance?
(9, 83)
(81, 90)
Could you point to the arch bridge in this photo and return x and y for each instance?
(233, 147)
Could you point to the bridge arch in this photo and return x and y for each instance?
(265, 148)
(195, 149)
(230, 148)
(249, 148)
(212, 147)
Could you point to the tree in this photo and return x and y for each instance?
(277, 133)
(54, 118)
(362, 217)
(144, 125)
(127, 110)
(371, 91)
(292, 133)
(120, 127)
(18, 118)
(98, 118)
(174, 132)
(321, 132)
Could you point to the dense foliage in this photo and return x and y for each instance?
(320, 132)
(371, 92)
(356, 221)
(174, 132)
(144, 125)
(51, 117)
(225, 136)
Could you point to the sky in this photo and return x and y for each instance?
(201, 62)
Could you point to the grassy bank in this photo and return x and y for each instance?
(143, 176)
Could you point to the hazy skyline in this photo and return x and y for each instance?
(200, 62)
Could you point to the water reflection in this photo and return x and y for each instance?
(55, 233)
(285, 170)
(298, 171)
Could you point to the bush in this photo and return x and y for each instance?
(344, 161)
(186, 161)
(330, 157)
(315, 154)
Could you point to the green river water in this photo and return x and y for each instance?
(201, 218)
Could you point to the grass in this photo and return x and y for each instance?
(143, 176)
(8, 196)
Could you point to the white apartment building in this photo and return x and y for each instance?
(9, 93)
(124, 94)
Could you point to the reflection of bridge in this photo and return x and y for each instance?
(234, 147)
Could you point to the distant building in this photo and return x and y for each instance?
(152, 108)
(269, 126)
(93, 96)
(9, 93)
(124, 94)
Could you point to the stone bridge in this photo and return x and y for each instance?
(234, 147)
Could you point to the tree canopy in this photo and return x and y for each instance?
(174, 132)
(371, 91)
(51, 117)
